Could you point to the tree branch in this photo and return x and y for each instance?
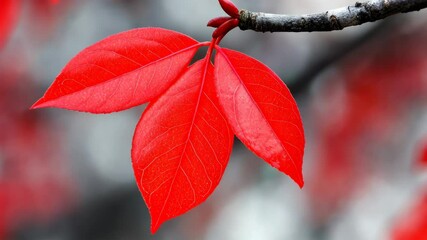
(331, 20)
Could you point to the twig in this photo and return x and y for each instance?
(331, 20)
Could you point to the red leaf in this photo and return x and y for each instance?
(261, 111)
(121, 71)
(9, 13)
(181, 146)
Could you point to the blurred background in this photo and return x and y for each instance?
(362, 93)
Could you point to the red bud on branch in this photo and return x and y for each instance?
(225, 28)
(229, 8)
(218, 21)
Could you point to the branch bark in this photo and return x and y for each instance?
(331, 20)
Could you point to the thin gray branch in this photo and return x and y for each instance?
(331, 20)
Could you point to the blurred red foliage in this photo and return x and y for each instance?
(45, 15)
(423, 155)
(35, 179)
(42, 16)
(9, 14)
(412, 225)
(366, 110)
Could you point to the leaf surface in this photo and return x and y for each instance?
(261, 111)
(181, 146)
(121, 71)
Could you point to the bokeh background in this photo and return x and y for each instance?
(362, 93)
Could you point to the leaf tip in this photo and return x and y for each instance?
(297, 177)
(295, 173)
(300, 182)
(154, 229)
(156, 219)
(155, 225)
(37, 104)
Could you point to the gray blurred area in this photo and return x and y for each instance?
(359, 175)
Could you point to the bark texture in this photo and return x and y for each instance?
(331, 20)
